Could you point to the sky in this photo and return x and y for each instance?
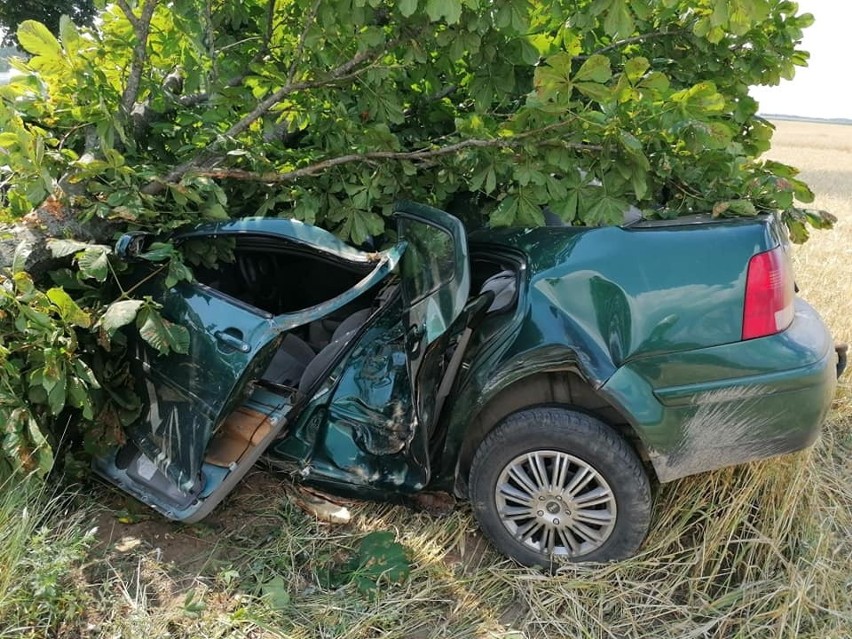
(823, 89)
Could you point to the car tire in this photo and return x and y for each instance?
(552, 484)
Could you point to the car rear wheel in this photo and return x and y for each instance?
(551, 484)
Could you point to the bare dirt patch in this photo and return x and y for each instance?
(126, 527)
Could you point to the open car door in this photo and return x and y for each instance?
(187, 397)
(435, 283)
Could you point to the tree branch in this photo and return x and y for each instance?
(141, 27)
(346, 71)
(639, 38)
(128, 13)
(420, 156)
(300, 47)
(341, 72)
(270, 27)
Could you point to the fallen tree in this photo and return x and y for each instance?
(169, 113)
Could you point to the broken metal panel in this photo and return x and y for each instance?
(384, 264)
(187, 395)
(371, 437)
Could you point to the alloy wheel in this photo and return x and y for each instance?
(555, 503)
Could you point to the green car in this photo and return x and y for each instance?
(549, 376)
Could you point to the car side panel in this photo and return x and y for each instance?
(359, 433)
(715, 407)
(186, 395)
(620, 294)
(643, 311)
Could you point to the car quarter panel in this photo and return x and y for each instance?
(652, 309)
(625, 293)
(708, 408)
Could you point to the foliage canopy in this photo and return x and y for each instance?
(167, 113)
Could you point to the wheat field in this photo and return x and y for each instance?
(759, 551)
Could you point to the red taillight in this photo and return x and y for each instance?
(769, 294)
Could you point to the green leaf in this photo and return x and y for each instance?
(633, 147)
(802, 191)
(56, 395)
(63, 248)
(506, 212)
(595, 69)
(636, 67)
(178, 271)
(22, 253)
(160, 333)
(655, 81)
(94, 263)
(595, 91)
(450, 10)
(35, 38)
(275, 593)
(119, 314)
(619, 22)
(606, 209)
(730, 208)
(407, 7)
(701, 98)
(158, 252)
(68, 309)
(43, 450)
(70, 36)
(820, 219)
(529, 211)
(379, 559)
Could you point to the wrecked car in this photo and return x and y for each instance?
(549, 376)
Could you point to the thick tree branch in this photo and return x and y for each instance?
(346, 71)
(421, 156)
(128, 13)
(270, 28)
(141, 27)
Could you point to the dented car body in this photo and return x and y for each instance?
(669, 348)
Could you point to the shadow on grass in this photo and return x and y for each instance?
(759, 550)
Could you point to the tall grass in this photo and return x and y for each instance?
(42, 549)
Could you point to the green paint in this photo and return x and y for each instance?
(650, 316)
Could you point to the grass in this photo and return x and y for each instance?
(762, 550)
(43, 547)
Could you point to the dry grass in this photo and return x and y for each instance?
(824, 263)
(763, 550)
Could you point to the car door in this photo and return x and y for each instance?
(435, 280)
(381, 407)
(187, 395)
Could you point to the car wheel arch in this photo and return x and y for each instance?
(566, 389)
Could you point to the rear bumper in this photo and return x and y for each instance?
(755, 399)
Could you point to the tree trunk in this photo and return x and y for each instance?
(51, 220)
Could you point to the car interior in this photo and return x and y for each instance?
(279, 278)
